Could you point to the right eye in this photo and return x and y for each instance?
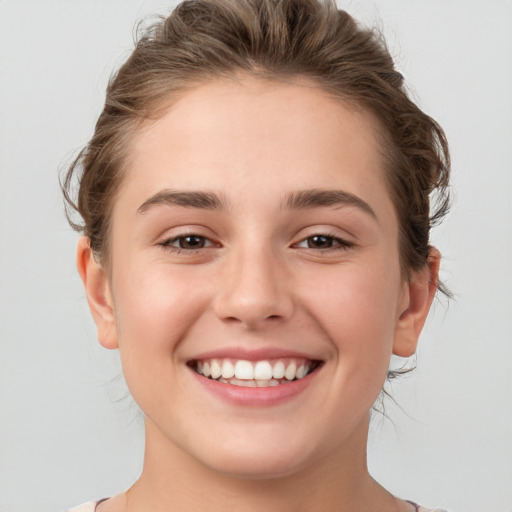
(187, 242)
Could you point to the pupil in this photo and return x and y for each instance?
(320, 241)
(191, 242)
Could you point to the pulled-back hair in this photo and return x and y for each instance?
(275, 40)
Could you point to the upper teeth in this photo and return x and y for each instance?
(258, 370)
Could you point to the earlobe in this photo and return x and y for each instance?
(97, 290)
(419, 293)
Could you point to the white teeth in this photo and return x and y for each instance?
(228, 370)
(263, 370)
(301, 372)
(243, 383)
(265, 383)
(253, 373)
(244, 370)
(278, 370)
(291, 371)
(215, 369)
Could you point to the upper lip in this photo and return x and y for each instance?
(252, 354)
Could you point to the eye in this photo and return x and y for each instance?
(323, 242)
(188, 242)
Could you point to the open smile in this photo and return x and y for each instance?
(252, 374)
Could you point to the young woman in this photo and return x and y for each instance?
(256, 205)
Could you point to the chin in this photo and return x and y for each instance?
(259, 460)
(249, 469)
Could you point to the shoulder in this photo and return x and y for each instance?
(90, 506)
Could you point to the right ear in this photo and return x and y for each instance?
(97, 291)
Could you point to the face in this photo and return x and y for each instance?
(254, 235)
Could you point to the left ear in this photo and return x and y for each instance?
(419, 293)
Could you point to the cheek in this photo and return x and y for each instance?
(357, 307)
(154, 310)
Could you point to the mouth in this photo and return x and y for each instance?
(255, 374)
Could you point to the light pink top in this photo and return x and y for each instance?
(91, 507)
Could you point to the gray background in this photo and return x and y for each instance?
(67, 434)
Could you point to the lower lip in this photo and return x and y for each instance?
(259, 397)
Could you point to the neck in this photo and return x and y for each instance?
(173, 480)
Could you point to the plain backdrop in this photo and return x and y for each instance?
(69, 433)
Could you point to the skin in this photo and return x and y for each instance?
(258, 282)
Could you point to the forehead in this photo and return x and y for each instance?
(250, 137)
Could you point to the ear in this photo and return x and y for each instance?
(419, 293)
(97, 290)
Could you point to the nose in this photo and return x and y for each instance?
(255, 290)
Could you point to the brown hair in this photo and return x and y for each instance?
(272, 39)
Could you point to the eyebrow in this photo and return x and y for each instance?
(319, 197)
(302, 199)
(203, 200)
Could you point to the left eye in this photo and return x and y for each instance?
(322, 242)
(189, 242)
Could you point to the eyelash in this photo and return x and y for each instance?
(337, 243)
(168, 244)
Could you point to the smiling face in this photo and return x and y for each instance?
(253, 237)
